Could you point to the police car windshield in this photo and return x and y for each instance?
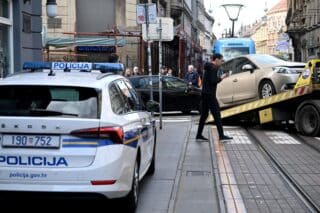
(48, 101)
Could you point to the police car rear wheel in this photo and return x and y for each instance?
(308, 120)
(131, 200)
(152, 166)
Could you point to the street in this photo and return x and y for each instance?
(260, 170)
(236, 176)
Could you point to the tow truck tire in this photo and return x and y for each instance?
(266, 89)
(308, 120)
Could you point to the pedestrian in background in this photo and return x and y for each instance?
(192, 76)
(170, 72)
(128, 72)
(210, 81)
(136, 70)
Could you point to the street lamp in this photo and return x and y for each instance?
(51, 8)
(233, 11)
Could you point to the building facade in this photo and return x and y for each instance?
(20, 34)
(117, 20)
(108, 27)
(276, 17)
(303, 23)
(269, 33)
(260, 37)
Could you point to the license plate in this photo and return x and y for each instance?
(45, 141)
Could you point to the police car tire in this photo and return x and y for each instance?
(131, 200)
(308, 120)
(152, 166)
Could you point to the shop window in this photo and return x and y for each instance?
(4, 53)
(26, 27)
(4, 9)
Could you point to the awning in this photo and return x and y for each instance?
(65, 42)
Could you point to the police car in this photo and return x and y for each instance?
(66, 127)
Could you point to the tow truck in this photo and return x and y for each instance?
(300, 105)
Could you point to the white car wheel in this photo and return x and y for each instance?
(266, 89)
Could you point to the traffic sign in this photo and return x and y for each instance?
(146, 12)
(154, 32)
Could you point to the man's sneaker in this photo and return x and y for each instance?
(225, 137)
(200, 137)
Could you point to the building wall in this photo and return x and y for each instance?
(24, 28)
(96, 15)
(260, 37)
(275, 24)
(64, 22)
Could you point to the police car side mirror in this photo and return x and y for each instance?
(152, 106)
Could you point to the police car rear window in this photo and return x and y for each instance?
(48, 101)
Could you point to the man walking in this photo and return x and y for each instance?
(209, 100)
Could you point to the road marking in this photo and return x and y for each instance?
(239, 137)
(281, 138)
(174, 120)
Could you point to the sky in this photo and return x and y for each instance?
(253, 10)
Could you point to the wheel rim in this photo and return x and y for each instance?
(135, 183)
(266, 91)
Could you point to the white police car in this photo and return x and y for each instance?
(74, 131)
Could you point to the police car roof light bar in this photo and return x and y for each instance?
(36, 65)
(80, 66)
(108, 67)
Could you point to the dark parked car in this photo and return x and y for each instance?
(177, 95)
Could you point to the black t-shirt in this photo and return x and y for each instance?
(210, 79)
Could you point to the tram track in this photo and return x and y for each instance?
(310, 202)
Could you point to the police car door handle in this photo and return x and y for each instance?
(235, 80)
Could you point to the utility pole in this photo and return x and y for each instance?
(149, 52)
(160, 74)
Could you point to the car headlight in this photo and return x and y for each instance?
(285, 70)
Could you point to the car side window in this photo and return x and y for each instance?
(138, 103)
(130, 99)
(173, 83)
(239, 62)
(226, 68)
(116, 99)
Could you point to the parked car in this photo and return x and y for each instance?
(255, 76)
(74, 131)
(177, 95)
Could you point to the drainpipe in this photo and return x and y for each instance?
(168, 12)
(51, 8)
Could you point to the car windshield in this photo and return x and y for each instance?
(267, 59)
(232, 52)
(48, 101)
(175, 83)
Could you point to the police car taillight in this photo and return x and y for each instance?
(115, 134)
